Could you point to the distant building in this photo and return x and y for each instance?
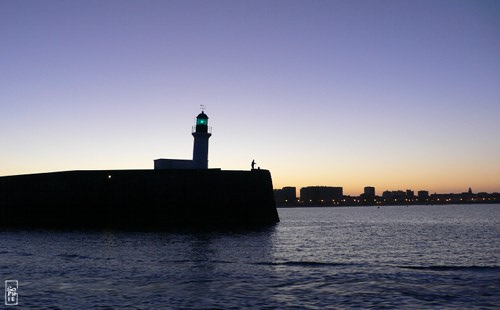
(387, 195)
(320, 194)
(368, 196)
(369, 192)
(287, 194)
(410, 194)
(395, 196)
(278, 195)
(423, 194)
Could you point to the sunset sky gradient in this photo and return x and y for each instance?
(391, 94)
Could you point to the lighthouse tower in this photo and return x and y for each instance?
(201, 134)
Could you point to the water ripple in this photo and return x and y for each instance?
(453, 268)
(302, 264)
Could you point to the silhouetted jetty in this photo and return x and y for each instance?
(138, 199)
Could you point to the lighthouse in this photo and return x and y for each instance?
(201, 134)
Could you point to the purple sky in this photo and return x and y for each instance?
(392, 94)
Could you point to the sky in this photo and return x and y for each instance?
(390, 94)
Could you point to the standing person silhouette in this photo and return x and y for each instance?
(253, 164)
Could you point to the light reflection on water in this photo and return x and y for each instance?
(417, 256)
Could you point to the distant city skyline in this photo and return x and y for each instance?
(330, 196)
(391, 94)
(370, 191)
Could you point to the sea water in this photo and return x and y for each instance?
(360, 257)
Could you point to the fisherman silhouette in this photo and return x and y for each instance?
(253, 164)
